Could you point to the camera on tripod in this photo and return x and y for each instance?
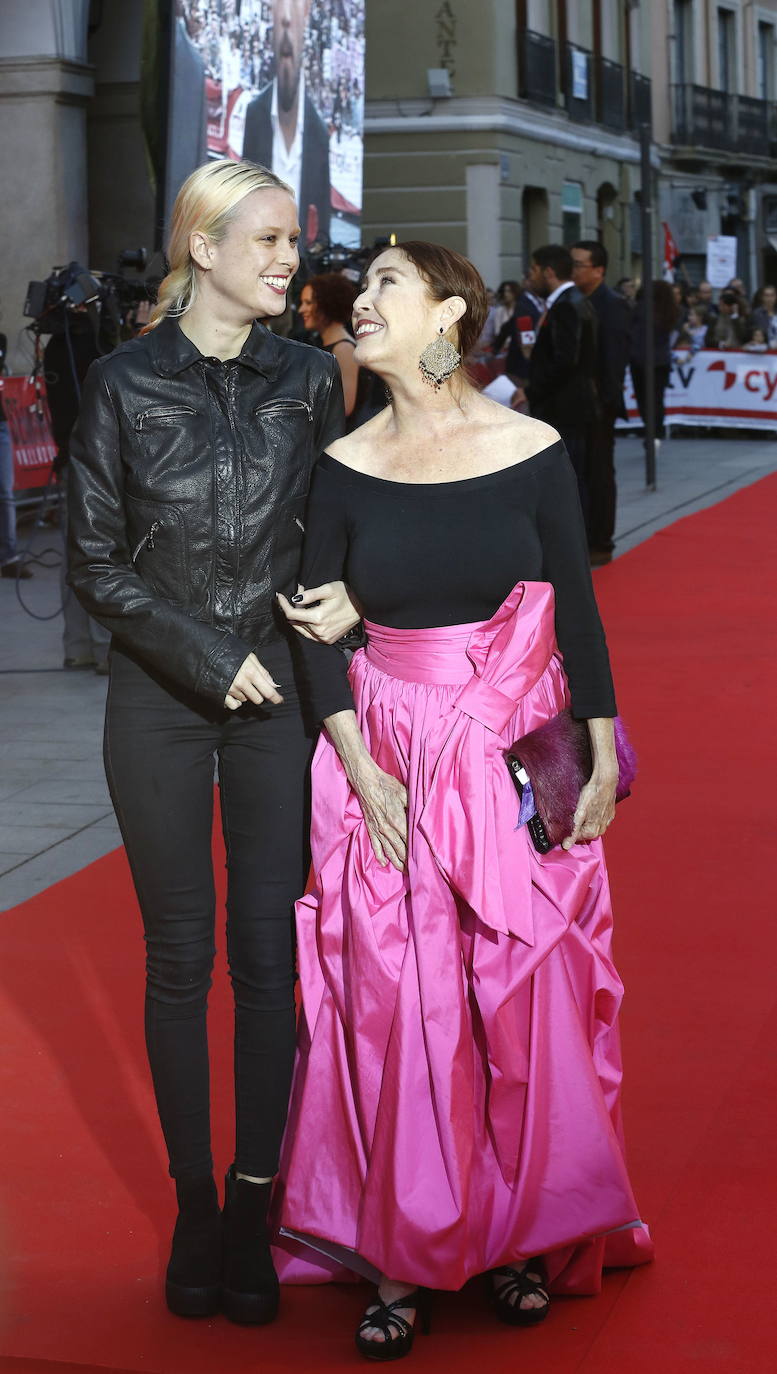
(110, 297)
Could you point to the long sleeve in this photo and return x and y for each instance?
(565, 564)
(101, 571)
(613, 351)
(324, 666)
(559, 360)
(329, 417)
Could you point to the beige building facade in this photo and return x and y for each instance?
(491, 125)
(536, 135)
(537, 139)
(714, 65)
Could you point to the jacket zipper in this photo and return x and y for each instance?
(148, 540)
(167, 414)
(286, 403)
(229, 390)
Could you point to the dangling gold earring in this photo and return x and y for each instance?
(439, 361)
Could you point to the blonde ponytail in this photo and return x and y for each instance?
(207, 203)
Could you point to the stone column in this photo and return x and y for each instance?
(45, 85)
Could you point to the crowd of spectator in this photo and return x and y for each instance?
(734, 320)
(691, 318)
(562, 324)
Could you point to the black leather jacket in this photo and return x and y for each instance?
(187, 486)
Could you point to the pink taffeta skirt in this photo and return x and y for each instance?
(456, 1095)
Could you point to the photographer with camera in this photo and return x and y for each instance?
(67, 358)
(85, 315)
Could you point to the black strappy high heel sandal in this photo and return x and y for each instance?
(398, 1331)
(520, 1284)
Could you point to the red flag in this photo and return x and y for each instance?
(671, 253)
(311, 225)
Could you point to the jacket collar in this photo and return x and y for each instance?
(172, 352)
(558, 293)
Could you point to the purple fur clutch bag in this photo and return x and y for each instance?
(551, 765)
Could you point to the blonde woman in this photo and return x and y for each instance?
(189, 471)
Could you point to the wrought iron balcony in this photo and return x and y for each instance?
(611, 94)
(640, 101)
(578, 82)
(537, 67)
(595, 89)
(702, 118)
(753, 126)
(719, 120)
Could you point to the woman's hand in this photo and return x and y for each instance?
(383, 801)
(328, 621)
(595, 809)
(253, 683)
(596, 803)
(383, 798)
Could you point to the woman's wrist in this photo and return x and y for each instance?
(601, 733)
(347, 738)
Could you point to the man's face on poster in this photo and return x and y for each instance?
(290, 18)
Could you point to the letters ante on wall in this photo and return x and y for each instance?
(446, 36)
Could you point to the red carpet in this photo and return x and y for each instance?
(86, 1207)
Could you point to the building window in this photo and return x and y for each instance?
(683, 41)
(727, 64)
(571, 211)
(766, 61)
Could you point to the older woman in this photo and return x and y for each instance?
(455, 1108)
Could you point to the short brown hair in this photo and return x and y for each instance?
(555, 256)
(334, 295)
(447, 273)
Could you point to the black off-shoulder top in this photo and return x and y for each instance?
(448, 553)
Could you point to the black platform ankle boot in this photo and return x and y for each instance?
(250, 1291)
(193, 1282)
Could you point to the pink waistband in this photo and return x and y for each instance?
(496, 661)
(437, 655)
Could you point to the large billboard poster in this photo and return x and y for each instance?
(280, 82)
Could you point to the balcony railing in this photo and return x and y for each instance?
(578, 82)
(753, 125)
(703, 118)
(611, 94)
(640, 102)
(537, 67)
(594, 89)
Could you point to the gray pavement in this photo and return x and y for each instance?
(55, 813)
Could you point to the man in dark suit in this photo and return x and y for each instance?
(589, 265)
(283, 129)
(562, 387)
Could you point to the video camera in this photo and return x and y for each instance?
(336, 257)
(107, 297)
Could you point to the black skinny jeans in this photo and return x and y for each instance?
(159, 757)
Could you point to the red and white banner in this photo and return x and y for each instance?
(730, 389)
(28, 419)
